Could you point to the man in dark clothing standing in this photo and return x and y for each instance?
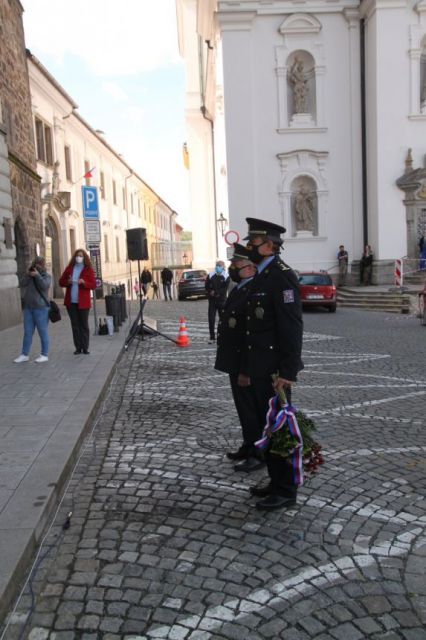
(167, 279)
(273, 345)
(231, 333)
(342, 259)
(146, 278)
(216, 286)
(366, 266)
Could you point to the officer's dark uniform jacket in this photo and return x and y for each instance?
(218, 283)
(274, 325)
(232, 331)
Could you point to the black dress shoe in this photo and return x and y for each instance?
(274, 501)
(86, 352)
(249, 465)
(240, 454)
(261, 492)
(77, 352)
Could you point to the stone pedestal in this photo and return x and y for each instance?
(301, 120)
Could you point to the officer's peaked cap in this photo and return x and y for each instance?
(240, 252)
(258, 227)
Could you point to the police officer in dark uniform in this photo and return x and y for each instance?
(230, 342)
(273, 344)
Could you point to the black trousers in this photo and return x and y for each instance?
(280, 470)
(215, 307)
(252, 422)
(80, 326)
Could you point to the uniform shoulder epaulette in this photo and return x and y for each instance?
(282, 266)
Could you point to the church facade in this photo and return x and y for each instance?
(325, 120)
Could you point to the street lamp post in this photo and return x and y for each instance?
(222, 222)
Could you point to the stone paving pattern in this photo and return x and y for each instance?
(164, 540)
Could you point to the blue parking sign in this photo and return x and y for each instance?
(90, 203)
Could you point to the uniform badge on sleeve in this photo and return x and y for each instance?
(288, 295)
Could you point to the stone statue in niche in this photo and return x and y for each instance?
(55, 178)
(304, 209)
(298, 81)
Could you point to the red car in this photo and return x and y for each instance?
(317, 290)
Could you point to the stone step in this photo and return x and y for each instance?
(374, 299)
(375, 307)
(388, 301)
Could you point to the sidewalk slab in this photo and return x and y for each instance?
(45, 412)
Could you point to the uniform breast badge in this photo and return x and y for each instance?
(232, 323)
(259, 312)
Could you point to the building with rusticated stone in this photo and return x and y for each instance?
(21, 233)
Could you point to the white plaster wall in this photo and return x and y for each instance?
(251, 104)
(199, 141)
(389, 131)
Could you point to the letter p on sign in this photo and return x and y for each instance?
(90, 203)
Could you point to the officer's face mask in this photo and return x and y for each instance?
(254, 254)
(234, 273)
(219, 269)
(79, 259)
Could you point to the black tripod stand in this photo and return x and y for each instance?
(139, 328)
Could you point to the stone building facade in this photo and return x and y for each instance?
(322, 101)
(21, 234)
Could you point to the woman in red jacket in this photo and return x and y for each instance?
(79, 280)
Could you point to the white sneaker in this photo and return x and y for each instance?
(41, 359)
(21, 358)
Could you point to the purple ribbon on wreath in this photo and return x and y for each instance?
(280, 416)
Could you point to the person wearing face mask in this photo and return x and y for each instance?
(79, 279)
(273, 345)
(36, 312)
(217, 283)
(230, 340)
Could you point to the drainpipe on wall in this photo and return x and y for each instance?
(204, 112)
(363, 135)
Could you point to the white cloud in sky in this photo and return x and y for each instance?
(115, 91)
(114, 37)
(105, 52)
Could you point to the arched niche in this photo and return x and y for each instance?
(304, 168)
(302, 36)
(301, 89)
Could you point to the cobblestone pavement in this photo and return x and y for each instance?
(164, 541)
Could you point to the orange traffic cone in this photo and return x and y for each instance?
(182, 339)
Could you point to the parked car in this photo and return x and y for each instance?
(192, 283)
(317, 290)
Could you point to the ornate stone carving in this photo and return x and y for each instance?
(299, 83)
(304, 209)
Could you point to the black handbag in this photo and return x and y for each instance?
(54, 311)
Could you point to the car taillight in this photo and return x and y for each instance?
(182, 281)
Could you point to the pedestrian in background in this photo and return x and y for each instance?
(273, 345)
(79, 279)
(155, 293)
(167, 279)
(231, 333)
(146, 278)
(137, 287)
(36, 312)
(217, 283)
(366, 265)
(342, 259)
